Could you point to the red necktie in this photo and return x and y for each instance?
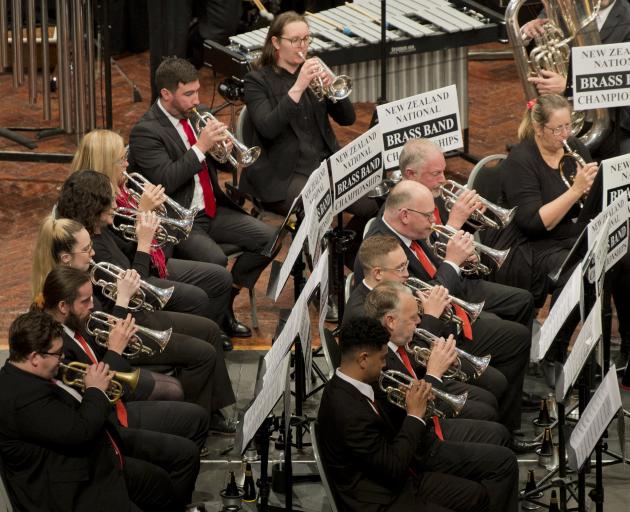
(436, 216)
(204, 175)
(121, 410)
(430, 269)
(406, 361)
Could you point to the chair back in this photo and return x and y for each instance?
(321, 467)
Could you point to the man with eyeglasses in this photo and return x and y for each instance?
(408, 216)
(59, 452)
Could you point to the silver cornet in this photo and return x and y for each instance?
(244, 156)
(422, 354)
(472, 309)
(100, 323)
(340, 86)
(139, 300)
(161, 237)
(140, 182)
(395, 385)
(445, 233)
(501, 217)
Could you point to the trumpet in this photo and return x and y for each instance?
(500, 218)
(139, 300)
(444, 234)
(568, 180)
(472, 309)
(422, 354)
(140, 182)
(162, 236)
(340, 86)
(100, 323)
(73, 374)
(395, 385)
(244, 156)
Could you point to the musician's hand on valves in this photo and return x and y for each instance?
(459, 248)
(121, 333)
(417, 396)
(98, 376)
(443, 355)
(213, 133)
(434, 303)
(309, 71)
(467, 202)
(152, 197)
(127, 286)
(533, 28)
(584, 178)
(146, 226)
(548, 82)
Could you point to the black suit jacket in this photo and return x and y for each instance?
(273, 116)
(157, 151)
(55, 450)
(367, 460)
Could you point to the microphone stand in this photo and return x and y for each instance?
(383, 96)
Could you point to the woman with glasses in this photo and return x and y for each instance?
(289, 123)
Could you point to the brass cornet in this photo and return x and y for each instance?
(445, 233)
(140, 182)
(395, 385)
(472, 309)
(115, 390)
(422, 354)
(161, 237)
(244, 156)
(139, 300)
(340, 86)
(500, 218)
(100, 323)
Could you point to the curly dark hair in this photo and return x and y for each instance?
(32, 332)
(84, 196)
(363, 333)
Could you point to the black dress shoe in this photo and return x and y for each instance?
(531, 401)
(520, 447)
(218, 425)
(236, 329)
(227, 343)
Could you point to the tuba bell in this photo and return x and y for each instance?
(395, 385)
(73, 375)
(100, 323)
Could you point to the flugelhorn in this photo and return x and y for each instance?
(422, 290)
(568, 180)
(395, 385)
(445, 233)
(244, 156)
(161, 236)
(140, 182)
(479, 364)
(100, 323)
(139, 300)
(115, 390)
(500, 218)
(340, 86)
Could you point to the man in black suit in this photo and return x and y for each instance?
(374, 466)
(59, 452)
(165, 149)
(408, 215)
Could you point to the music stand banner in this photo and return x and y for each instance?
(601, 76)
(432, 115)
(616, 178)
(317, 200)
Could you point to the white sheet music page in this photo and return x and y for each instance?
(568, 299)
(599, 412)
(589, 335)
(615, 217)
(263, 404)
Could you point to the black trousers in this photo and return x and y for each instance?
(160, 469)
(201, 288)
(231, 227)
(481, 403)
(464, 430)
(507, 302)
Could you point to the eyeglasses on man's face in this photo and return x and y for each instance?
(426, 215)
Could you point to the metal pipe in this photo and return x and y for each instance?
(31, 42)
(91, 89)
(45, 61)
(76, 69)
(4, 36)
(16, 38)
(63, 66)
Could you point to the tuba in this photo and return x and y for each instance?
(444, 234)
(244, 156)
(73, 374)
(339, 89)
(182, 227)
(499, 218)
(138, 301)
(571, 22)
(99, 324)
(479, 364)
(395, 385)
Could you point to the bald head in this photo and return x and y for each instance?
(409, 209)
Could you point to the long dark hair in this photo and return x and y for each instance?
(268, 55)
(84, 196)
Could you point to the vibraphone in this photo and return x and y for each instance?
(426, 45)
